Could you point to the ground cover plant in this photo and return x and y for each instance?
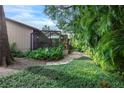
(53, 53)
(79, 73)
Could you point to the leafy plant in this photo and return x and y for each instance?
(109, 52)
(15, 52)
(80, 73)
(53, 53)
(96, 31)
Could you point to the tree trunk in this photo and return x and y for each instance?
(5, 54)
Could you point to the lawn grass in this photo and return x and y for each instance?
(80, 73)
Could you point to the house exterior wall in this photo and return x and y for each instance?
(19, 34)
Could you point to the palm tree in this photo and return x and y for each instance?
(5, 54)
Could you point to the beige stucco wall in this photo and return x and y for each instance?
(19, 34)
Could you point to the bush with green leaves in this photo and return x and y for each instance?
(96, 30)
(53, 53)
(15, 52)
(109, 52)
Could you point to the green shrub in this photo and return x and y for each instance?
(109, 53)
(15, 52)
(54, 53)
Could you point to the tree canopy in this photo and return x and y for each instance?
(98, 30)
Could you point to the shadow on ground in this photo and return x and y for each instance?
(83, 58)
(62, 79)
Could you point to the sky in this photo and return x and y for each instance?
(30, 15)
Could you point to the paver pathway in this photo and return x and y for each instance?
(22, 63)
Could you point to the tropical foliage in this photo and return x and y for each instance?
(53, 53)
(98, 31)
